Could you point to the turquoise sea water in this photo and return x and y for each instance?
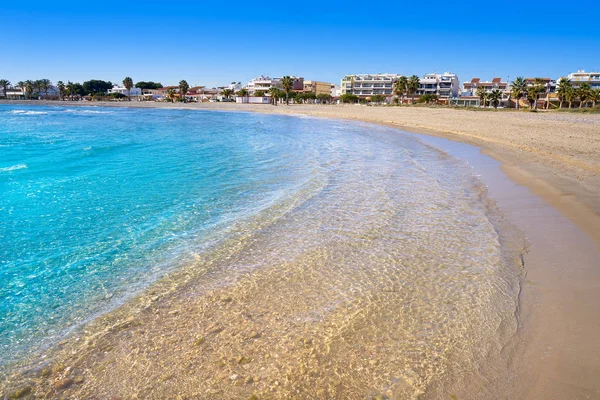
(97, 203)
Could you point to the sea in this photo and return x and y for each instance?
(99, 203)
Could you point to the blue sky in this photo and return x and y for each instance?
(214, 43)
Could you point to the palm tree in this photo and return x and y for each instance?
(60, 85)
(227, 93)
(183, 88)
(564, 85)
(243, 92)
(482, 94)
(532, 94)
(128, 84)
(29, 88)
(70, 90)
(594, 96)
(171, 94)
(541, 88)
(412, 86)
(261, 93)
(517, 89)
(400, 86)
(570, 95)
(583, 92)
(288, 84)
(494, 96)
(274, 92)
(4, 83)
(44, 85)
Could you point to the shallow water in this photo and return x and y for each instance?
(386, 252)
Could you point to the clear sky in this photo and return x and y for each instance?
(215, 42)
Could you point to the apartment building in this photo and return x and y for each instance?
(134, 92)
(444, 85)
(366, 85)
(317, 87)
(468, 94)
(264, 83)
(579, 77)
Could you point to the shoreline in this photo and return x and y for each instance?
(534, 300)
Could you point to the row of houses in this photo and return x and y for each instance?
(447, 88)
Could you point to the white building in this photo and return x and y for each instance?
(366, 85)
(579, 77)
(134, 92)
(336, 90)
(444, 85)
(235, 86)
(263, 83)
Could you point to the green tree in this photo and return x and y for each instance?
(518, 89)
(570, 95)
(378, 98)
(4, 83)
(183, 88)
(400, 87)
(274, 93)
(324, 98)
(412, 86)
(227, 93)
(96, 86)
(594, 96)
(29, 88)
(533, 91)
(44, 85)
(564, 85)
(482, 94)
(583, 93)
(259, 93)
(128, 84)
(243, 92)
(494, 97)
(349, 98)
(148, 85)
(171, 94)
(60, 85)
(300, 97)
(288, 84)
(428, 98)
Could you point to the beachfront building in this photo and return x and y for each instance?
(548, 96)
(468, 94)
(335, 90)
(317, 87)
(134, 92)
(444, 86)
(579, 77)
(367, 85)
(264, 83)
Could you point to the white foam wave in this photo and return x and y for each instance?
(87, 111)
(13, 167)
(27, 112)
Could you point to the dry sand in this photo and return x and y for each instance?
(555, 353)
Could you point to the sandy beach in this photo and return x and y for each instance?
(552, 196)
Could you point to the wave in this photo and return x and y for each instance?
(26, 112)
(13, 167)
(87, 111)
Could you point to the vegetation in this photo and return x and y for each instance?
(275, 94)
(324, 98)
(378, 99)
(96, 86)
(482, 94)
(428, 98)
(288, 84)
(494, 97)
(400, 87)
(412, 86)
(128, 84)
(564, 86)
(183, 88)
(583, 93)
(518, 89)
(148, 85)
(242, 92)
(4, 83)
(171, 94)
(259, 93)
(349, 98)
(227, 93)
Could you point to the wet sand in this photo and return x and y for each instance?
(552, 355)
